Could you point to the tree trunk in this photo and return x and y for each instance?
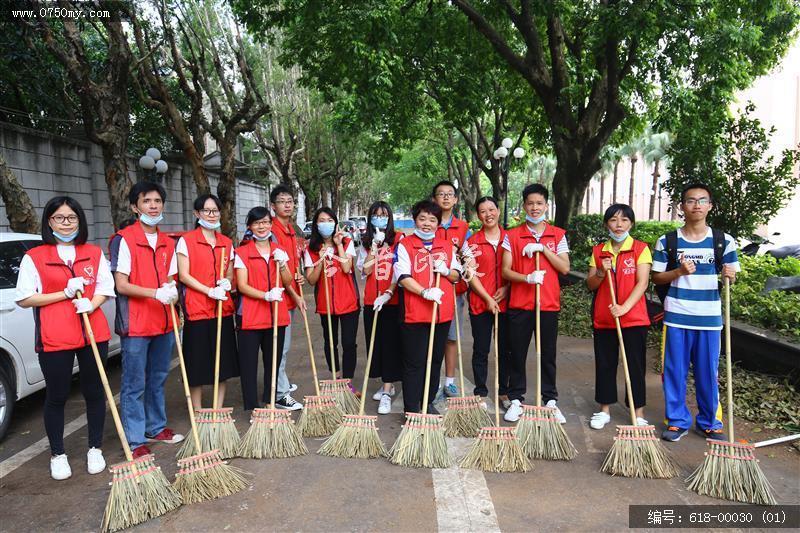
(199, 174)
(119, 184)
(226, 189)
(602, 190)
(614, 186)
(632, 184)
(20, 212)
(654, 190)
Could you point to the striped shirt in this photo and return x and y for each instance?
(693, 301)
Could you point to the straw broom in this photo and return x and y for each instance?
(730, 469)
(357, 436)
(496, 449)
(272, 432)
(139, 490)
(204, 476)
(422, 442)
(541, 435)
(637, 451)
(464, 416)
(338, 388)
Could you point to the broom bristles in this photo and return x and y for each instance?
(272, 435)
(139, 492)
(465, 417)
(730, 471)
(320, 417)
(356, 437)
(344, 397)
(496, 450)
(637, 452)
(421, 443)
(207, 477)
(542, 436)
(217, 431)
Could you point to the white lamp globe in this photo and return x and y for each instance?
(161, 166)
(519, 152)
(154, 153)
(147, 162)
(507, 143)
(502, 152)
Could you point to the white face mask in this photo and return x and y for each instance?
(618, 238)
(151, 221)
(209, 225)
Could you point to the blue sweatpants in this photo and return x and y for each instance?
(701, 349)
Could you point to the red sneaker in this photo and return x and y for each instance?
(168, 436)
(141, 451)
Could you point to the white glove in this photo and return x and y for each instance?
(83, 305)
(440, 267)
(217, 293)
(167, 293)
(378, 237)
(536, 277)
(225, 284)
(74, 285)
(275, 294)
(380, 301)
(433, 294)
(279, 256)
(532, 248)
(329, 253)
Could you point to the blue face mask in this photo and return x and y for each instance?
(326, 228)
(379, 222)
(208, 225)
(425, 235)
(65, 238)
(151, 221)
(262, 239)
(618, 238)
(534, 220)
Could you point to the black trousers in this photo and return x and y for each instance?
(606, 359)
(250, 342)
(387, 355)
(483, 345)
(349, 326)
(57, 370)
(415, 350)
(521, 325)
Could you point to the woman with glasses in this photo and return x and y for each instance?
(205, 271)
(51, 276)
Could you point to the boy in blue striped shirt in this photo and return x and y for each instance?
(693, 314)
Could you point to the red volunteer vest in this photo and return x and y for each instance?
(456, 234)
(204, 267)
(149, 268)
(257, 313)
(287, 239)
(342, 287)
(417, 309)
(58, 326)
(380, 279)
(523, 295)
(489, 269)
(624, 281)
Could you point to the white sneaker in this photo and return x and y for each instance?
(560, 417)
(59, 467)
(292, 387)
(380, 392)
(95, 462)
(642, 422)
(385, 407)
(599, 420)
(513, 412)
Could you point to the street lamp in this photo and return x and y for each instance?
(153, 165)
(505, 162)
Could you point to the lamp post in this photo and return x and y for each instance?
(153, 166)
(501, 154)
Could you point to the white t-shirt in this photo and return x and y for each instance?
(402, 266)
(29, 282)
(124, 256)
(561, 248)
(181, 248)
(349, 251)
(238, 263)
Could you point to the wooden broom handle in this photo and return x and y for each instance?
(496, 372)
(623, 355)
(458, 340)
(106, 387)
(274, 376)
(328, 316)
(369, 362)
(219, 334)
(308, 338)
(538, 342)
(186, 391)
(430, 352)
(728, 369)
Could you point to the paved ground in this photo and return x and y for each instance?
(314, 493)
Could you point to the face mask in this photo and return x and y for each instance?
(379, 222)
(209, 225)
(618, 238)
(326, 228)
(424, 235)
(151, 221)
(534, 220)
(65, 238)
(262, 239)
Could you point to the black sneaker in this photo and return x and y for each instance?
(713, 434)
(673, 433)
(288, 403)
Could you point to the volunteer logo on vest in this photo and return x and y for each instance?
(551, 246)
(89, 271)
(164, 259)
(629, 265)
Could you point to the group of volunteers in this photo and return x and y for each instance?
(491, 271)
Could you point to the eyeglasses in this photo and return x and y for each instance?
(209, 212)
(283, 202)
(697, 201)
(445, 195)
(261, 223)
(60, 219)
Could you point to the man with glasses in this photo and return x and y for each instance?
(690, 260)
(282, 204)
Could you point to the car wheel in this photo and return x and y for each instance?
(7, 398)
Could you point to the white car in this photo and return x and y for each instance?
(20, 374)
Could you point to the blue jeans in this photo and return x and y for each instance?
(282, 384)
(145, 366)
